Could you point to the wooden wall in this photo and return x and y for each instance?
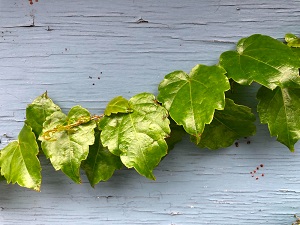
(72, 43)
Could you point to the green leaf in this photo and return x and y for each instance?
(264, 60)
(66, 139)
(280, 109)
(297, 52)
(117, 105)
(138, 137)
(234, 122)
(192, 99)
(2, 178)
(100, 163)
(37, 112)
(292, 40)
(176, 135)
(19, 162)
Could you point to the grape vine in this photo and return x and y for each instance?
(139, 132)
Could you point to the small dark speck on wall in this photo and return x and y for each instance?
(256, 171)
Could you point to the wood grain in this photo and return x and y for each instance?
(73, 43)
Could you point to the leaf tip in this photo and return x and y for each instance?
(149, 175)
(37, 188)
(198, 138)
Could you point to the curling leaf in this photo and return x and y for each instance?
(292, 40)
(37, 112)
(19, 162)
(66, 139)
(264, 60)
(100, 163)
(192, 99)
(234, 122)
(280, 109)
(138, 137)
(117, 105)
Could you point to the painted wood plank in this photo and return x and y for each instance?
(75, 40)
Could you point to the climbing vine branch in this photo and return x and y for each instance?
(139, 132)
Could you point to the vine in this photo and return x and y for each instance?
(137, 133)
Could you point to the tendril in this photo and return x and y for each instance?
(48, 135)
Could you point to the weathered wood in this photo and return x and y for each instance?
(72, 43)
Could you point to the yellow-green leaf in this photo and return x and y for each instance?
(19, 162)
(66, 140)
(264, 60)
(280, 109)
(117, 105)
(138, 137)
(192, 99)
(37, 112)
(292, 40)
(234, 122)
(100, 163)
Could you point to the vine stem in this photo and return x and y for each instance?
(81, 120)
